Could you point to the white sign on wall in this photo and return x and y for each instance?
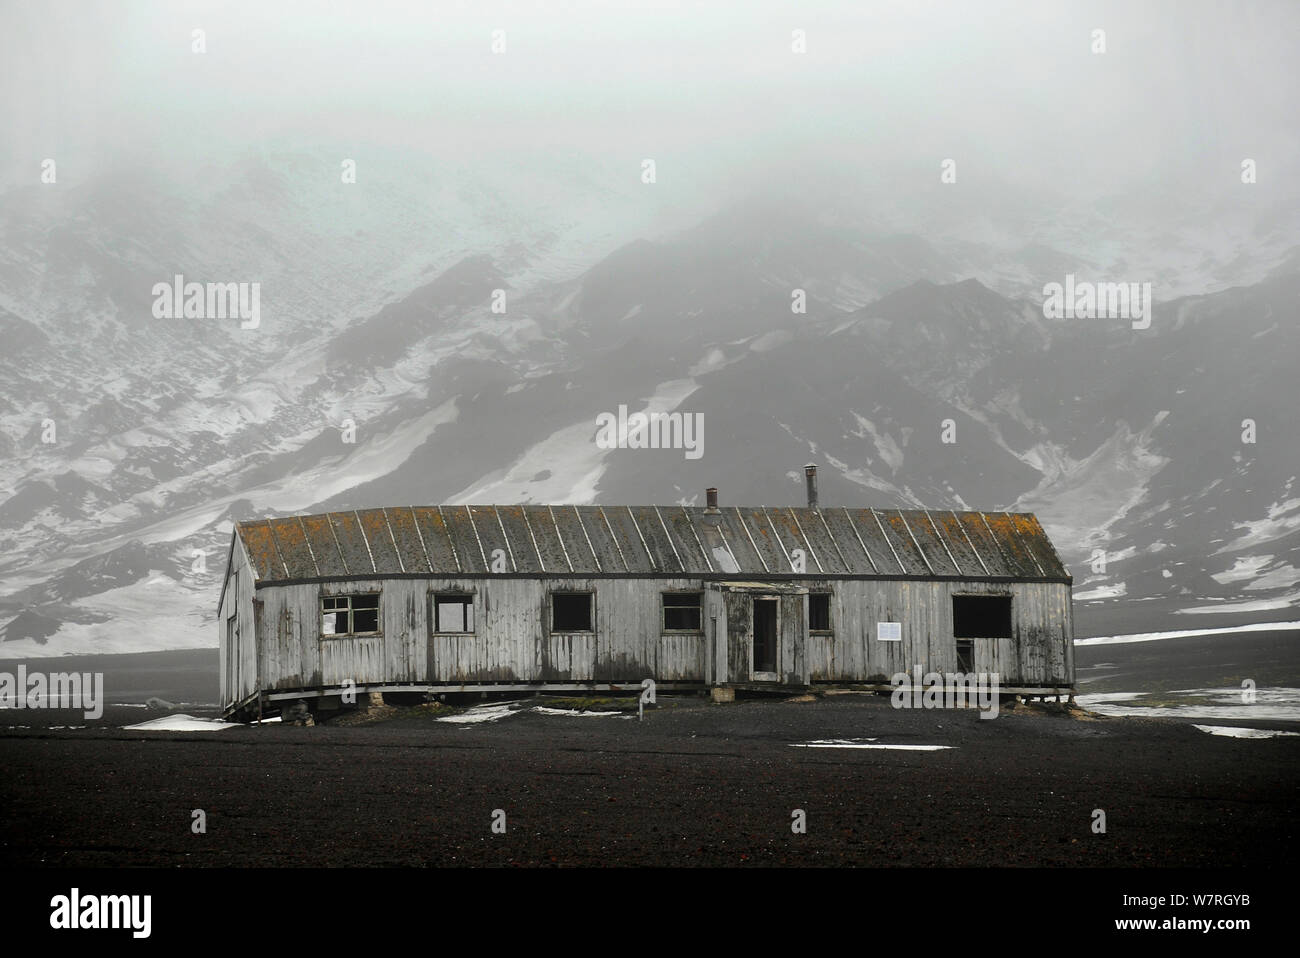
(889, 632)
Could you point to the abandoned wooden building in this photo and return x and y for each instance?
(478, 598)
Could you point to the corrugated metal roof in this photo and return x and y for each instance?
(651, 540)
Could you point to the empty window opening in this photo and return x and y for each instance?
(682, 611)
(819, 611)
(350, 614)
(453, 612)
(965, 655)
(571, 612)
(981, 616)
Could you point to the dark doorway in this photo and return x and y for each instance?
(765, 635)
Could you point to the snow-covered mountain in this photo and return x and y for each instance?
(452, 334)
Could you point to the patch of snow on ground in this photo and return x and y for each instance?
(1271, 704)
(180, 722)
(482, 713)
(1188, 633)
(1230, 731)
(865, 743)
(1255, 605)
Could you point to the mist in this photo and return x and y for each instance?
(715, 94)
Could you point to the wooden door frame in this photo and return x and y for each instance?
(754, 674)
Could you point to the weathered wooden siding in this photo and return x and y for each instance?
(740, 642)
(294, 654)
(1040, 653)
(791, 653)
(512, 643)
(715, 637)
(238, 678)
(738, 622)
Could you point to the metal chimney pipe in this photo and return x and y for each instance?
(711, 497)
(810, 474)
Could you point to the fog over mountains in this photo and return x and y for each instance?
(1124, 441)
(919, 370)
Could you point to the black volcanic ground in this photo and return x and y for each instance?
(694, 784)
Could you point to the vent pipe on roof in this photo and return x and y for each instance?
(810, 474)
(711, 498)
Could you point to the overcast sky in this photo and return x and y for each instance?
(1183, 90)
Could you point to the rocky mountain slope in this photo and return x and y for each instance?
(461, 347)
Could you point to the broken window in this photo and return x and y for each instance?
(453, 612)
(350, 614)
(682, 611)
(571, 612)
(819, 611)
(981, 616)
(966, 655)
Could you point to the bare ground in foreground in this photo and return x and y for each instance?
(694, 784)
